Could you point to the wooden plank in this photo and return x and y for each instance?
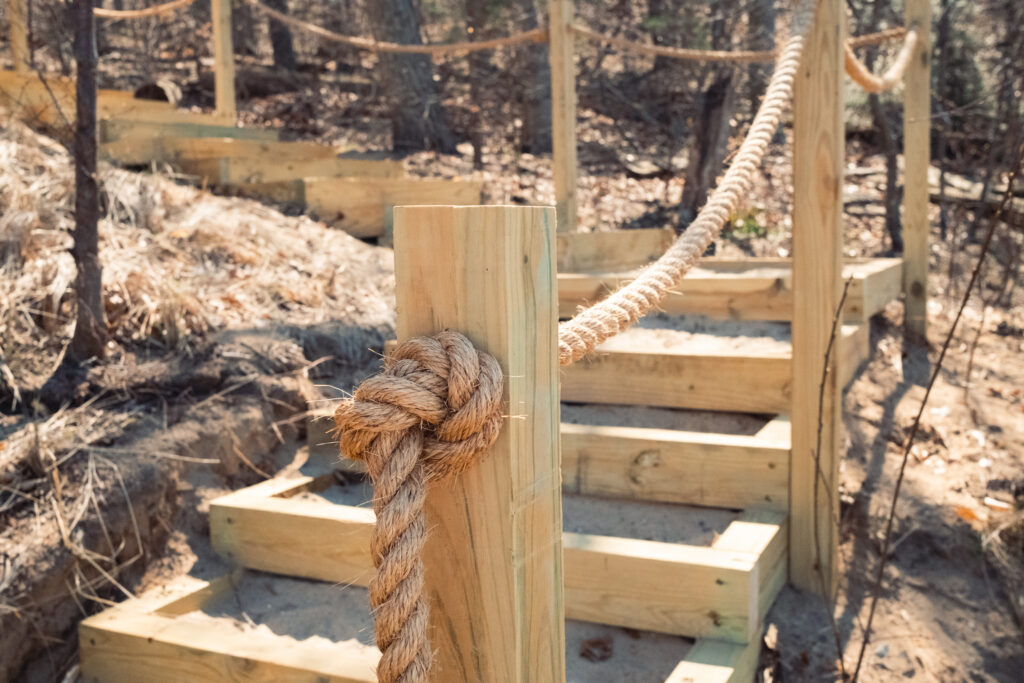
(722, 470)
(133, 642)
(764, 534)
(752, 380)
(748, 289)
(818, 154)
(363, 207)
(610, 251)
(223, 60)
(916, 132)
(268, 169)
(718, 661)
(637, 463)
(493, 560)
(563, 110)
(17, 14)
(112, 130)
(853, 348)
(672, 588)
(235, 148)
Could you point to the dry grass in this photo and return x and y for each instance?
(178, 262)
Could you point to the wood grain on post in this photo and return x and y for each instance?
(18, 16)
(223, 61)
(916, 130)
(494, 555)
(818, 153)
(563, 111)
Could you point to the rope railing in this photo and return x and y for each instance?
(582, 334)
(537, 35)
(877, 38)
(153, 11)
(892, 77)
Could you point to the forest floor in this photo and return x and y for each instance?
(232, 320)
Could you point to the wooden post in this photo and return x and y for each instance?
(223, 61)
(563, 111)
(494, 555)
(18, 16)
(818, 154)
(916, 131)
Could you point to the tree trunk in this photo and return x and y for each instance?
(761, 20)
(417, 119)
(281, 38)
(536, 88)
(89, 338)
(476, 18)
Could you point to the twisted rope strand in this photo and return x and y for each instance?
(431, 415)
(537, 35)
(581, 334)
(892, 77)
(153, 11)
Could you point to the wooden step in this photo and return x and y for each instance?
(619, 250)
(651, 464)
(170, 149)
(140, 131)
(191, 631)
(747, 289)
(721, 591)
(363, 207)
(753, 376)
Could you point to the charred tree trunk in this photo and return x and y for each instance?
(281, 38)
(417, 119)
(536, 135)
(90, 335)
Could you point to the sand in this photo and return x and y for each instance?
(661, 333)
(303, 610)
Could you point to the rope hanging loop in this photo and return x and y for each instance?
(433, 412)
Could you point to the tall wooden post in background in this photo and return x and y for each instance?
(223, 61)
(818, 154)
(494, 555)
(916, 131)
(563, 111)
(17, 13)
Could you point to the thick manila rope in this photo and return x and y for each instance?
(141, 13)
(427, 418)
(892, 77)
(580, 335)
(537, 35)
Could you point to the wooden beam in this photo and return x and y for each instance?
(223, 61)
(746, 289)
(494, 557)
(144, 639)
(582, 252)
(670, 466)
(363, 207)
(115, 129)
(639, 463)
(916, 133)
(818, 155)
(17, 15)
(563, 110)
(721, 591)
(718, 661)
(267, 169)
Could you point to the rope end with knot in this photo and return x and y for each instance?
(428, 417)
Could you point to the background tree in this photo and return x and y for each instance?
(281, 38)
(535, 85)
(417, 118)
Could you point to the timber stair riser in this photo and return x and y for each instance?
(720, 591)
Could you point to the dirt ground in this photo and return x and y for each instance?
(195, 403)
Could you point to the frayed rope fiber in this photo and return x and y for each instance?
(431, 414)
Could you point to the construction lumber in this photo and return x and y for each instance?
(748, 378)
(916, 155)
(670, 466)
(618, 250)
(143, 639)
(718, 661)
(746, 289)
(363, 207)
(17, 14)
(493, 559)
(818, 163)
(115, 129)
(640, 463)
(696, 591)
(223, 60)
(563, 110)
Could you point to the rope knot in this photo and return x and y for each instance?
(439, 386)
